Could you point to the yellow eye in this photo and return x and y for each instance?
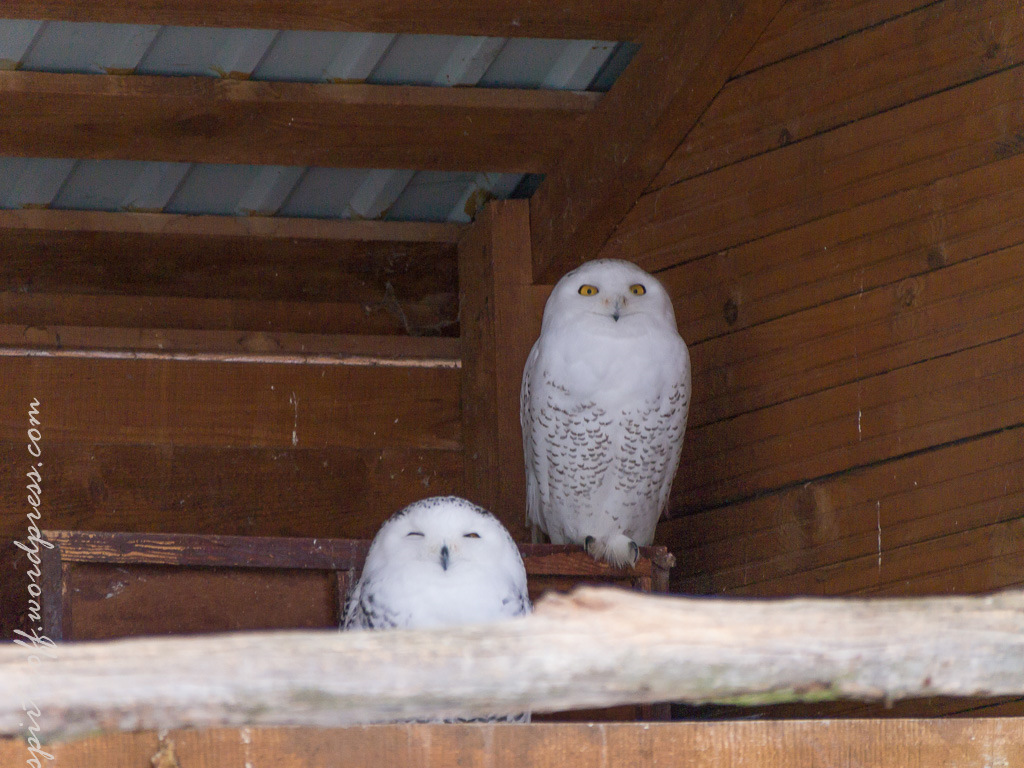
(637, 289)
(588, 290)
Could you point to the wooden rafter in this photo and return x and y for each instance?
(219, 120)
(267, 227)
(686, 57)
(569, 19)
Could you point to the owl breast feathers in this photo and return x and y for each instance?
(603, 406)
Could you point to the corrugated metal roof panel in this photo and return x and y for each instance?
(284, 55)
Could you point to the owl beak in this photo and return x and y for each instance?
(617, 312)
(445, 557)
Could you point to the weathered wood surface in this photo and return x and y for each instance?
(952, 743)
(579, 19)
(227, 120)
(608, 646)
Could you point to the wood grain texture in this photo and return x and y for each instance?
(229, 346)
(120, 272)
(904, 148)
(891, 414)
(881, 243)
(53, 221)
(967, 304)
(937, 47)
(167, 402)
(501, 319)
(873, 514)
(801, 25)
(602, 20)
(759, 650)
(946, 743)
(225, 120)
(637, 125)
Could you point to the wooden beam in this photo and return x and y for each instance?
(500, 319)
(222, 120)
(570, 19)
(233, 404)
(202, 277)
(229, 346)
(268, 227)
(686, 57)
(937, 743)
(610, 646)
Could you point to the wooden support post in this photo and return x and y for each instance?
(500, 319)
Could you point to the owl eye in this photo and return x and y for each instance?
(414, 533)
(588, 290)
(637, 289)
(471, 535)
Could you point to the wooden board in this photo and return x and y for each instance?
(245, 405)
(637, 125)
(879, 243)
(851, 165)
(227, 120)
(802, 25)
(891, 414)
(860, 513)
(940, 46)
(602, 20)
(971, 303)
(950, 743)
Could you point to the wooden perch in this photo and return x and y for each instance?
(594, 647)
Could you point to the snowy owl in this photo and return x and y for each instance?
(441, 561)
(603, 408)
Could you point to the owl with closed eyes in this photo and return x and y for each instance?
(440, 562)
(603, 407)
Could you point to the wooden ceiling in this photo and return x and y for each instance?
(599, 154)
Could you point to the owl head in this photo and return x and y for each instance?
(609, 297)
(445, 537)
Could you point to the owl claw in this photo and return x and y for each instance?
(634, 554)
(588, 545)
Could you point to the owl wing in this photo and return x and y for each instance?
(535, 463)
(363, 611)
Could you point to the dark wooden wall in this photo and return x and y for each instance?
(843, 233)
(258, 378)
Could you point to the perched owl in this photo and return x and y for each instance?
(603, 408)
(441, 561)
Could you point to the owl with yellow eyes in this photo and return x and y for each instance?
(603, 406)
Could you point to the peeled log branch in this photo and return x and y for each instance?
(594, 647)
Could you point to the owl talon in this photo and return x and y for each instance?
(588, 545)
(634, 554)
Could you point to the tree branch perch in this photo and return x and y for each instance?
(594, 647)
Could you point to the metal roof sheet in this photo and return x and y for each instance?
(195, 188)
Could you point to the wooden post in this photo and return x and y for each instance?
(500, 319)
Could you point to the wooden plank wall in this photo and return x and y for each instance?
(281, 378)
(842, 233)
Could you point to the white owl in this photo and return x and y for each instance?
(441, 561)
(603, 407)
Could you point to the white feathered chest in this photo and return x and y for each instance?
(604, 405)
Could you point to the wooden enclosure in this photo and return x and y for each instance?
(833, 194)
